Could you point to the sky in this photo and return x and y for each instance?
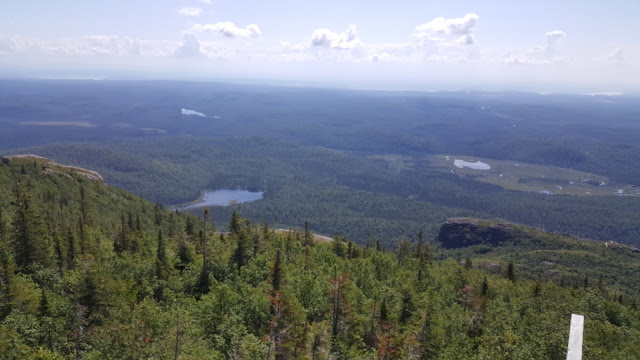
(542, 45)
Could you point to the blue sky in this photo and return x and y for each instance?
(524, 45)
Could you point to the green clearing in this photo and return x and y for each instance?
(520, 176)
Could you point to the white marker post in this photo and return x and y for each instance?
(574, 350)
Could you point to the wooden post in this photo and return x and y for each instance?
(574, 349)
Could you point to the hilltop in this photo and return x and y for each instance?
(90, 271)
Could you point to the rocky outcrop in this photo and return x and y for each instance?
(463, 232)
(51, 166)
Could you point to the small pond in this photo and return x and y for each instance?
(225, 197)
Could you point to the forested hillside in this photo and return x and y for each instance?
(90, 271)
(336, 191)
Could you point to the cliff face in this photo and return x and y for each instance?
(463, 232)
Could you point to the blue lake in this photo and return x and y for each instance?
(225, 197)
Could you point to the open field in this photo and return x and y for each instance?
(514, 175)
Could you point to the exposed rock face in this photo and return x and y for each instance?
(53, 167)
(463, 232)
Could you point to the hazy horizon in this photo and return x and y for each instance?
(573, 46)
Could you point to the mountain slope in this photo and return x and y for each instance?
(90, 271)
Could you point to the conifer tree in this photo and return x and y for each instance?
(407, 306)
(28, 234)
(7, 268)
(57, 247)
(43, 307)
(384, 311)
(3, 227)
(71, 249)
(307, 235)
(138, 225)
(235, 225)
(276, 273)
(485, 287)
(162, 263)
(82, 236)
(511, 275)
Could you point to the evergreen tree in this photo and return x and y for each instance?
(276, 273)
(6, 276)
(162, 263)
(138, 224)
(28, 234)
(43, 307)
(57, 247)
(384, 311)
(338, 246)
(185, 255)
(485, 287)
(3, 227)
(71, 249)
(82, 236)
(235, 224)
(307, 235)
(407, 306)
(511, 274)
(189, 227)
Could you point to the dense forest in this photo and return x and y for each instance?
(91, 271)
(336, 191)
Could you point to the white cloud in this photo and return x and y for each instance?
(554, 36)
(190, 47)
(466, 39)
(190, 11)
(207, 2)
(616, 57)
(111, 45)
(448, 27)
(539, 54)
(229, 29)
(329, 39)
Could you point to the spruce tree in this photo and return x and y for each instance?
(407, 307)
(162, 263)
(71, 249)
(384, 311)
(28, 234)
(307, 234)
(485, 287)
(235, 224)
(3, 227)
(276, 273)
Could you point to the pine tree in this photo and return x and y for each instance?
(235, 225)
(407, 306)
(138, 225)
(57, 247)
(185, 255)
(485, 287)
(276, 273)
(71, 249)
(378, 245)
(307, 235)
(511, 275)
(82, 236)
(3, 227)
(43, 307)
(7, 268)
(384, 311)
(203, 238)
(338, 246)
(189, 228)
(162, 263)
(28, 235)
